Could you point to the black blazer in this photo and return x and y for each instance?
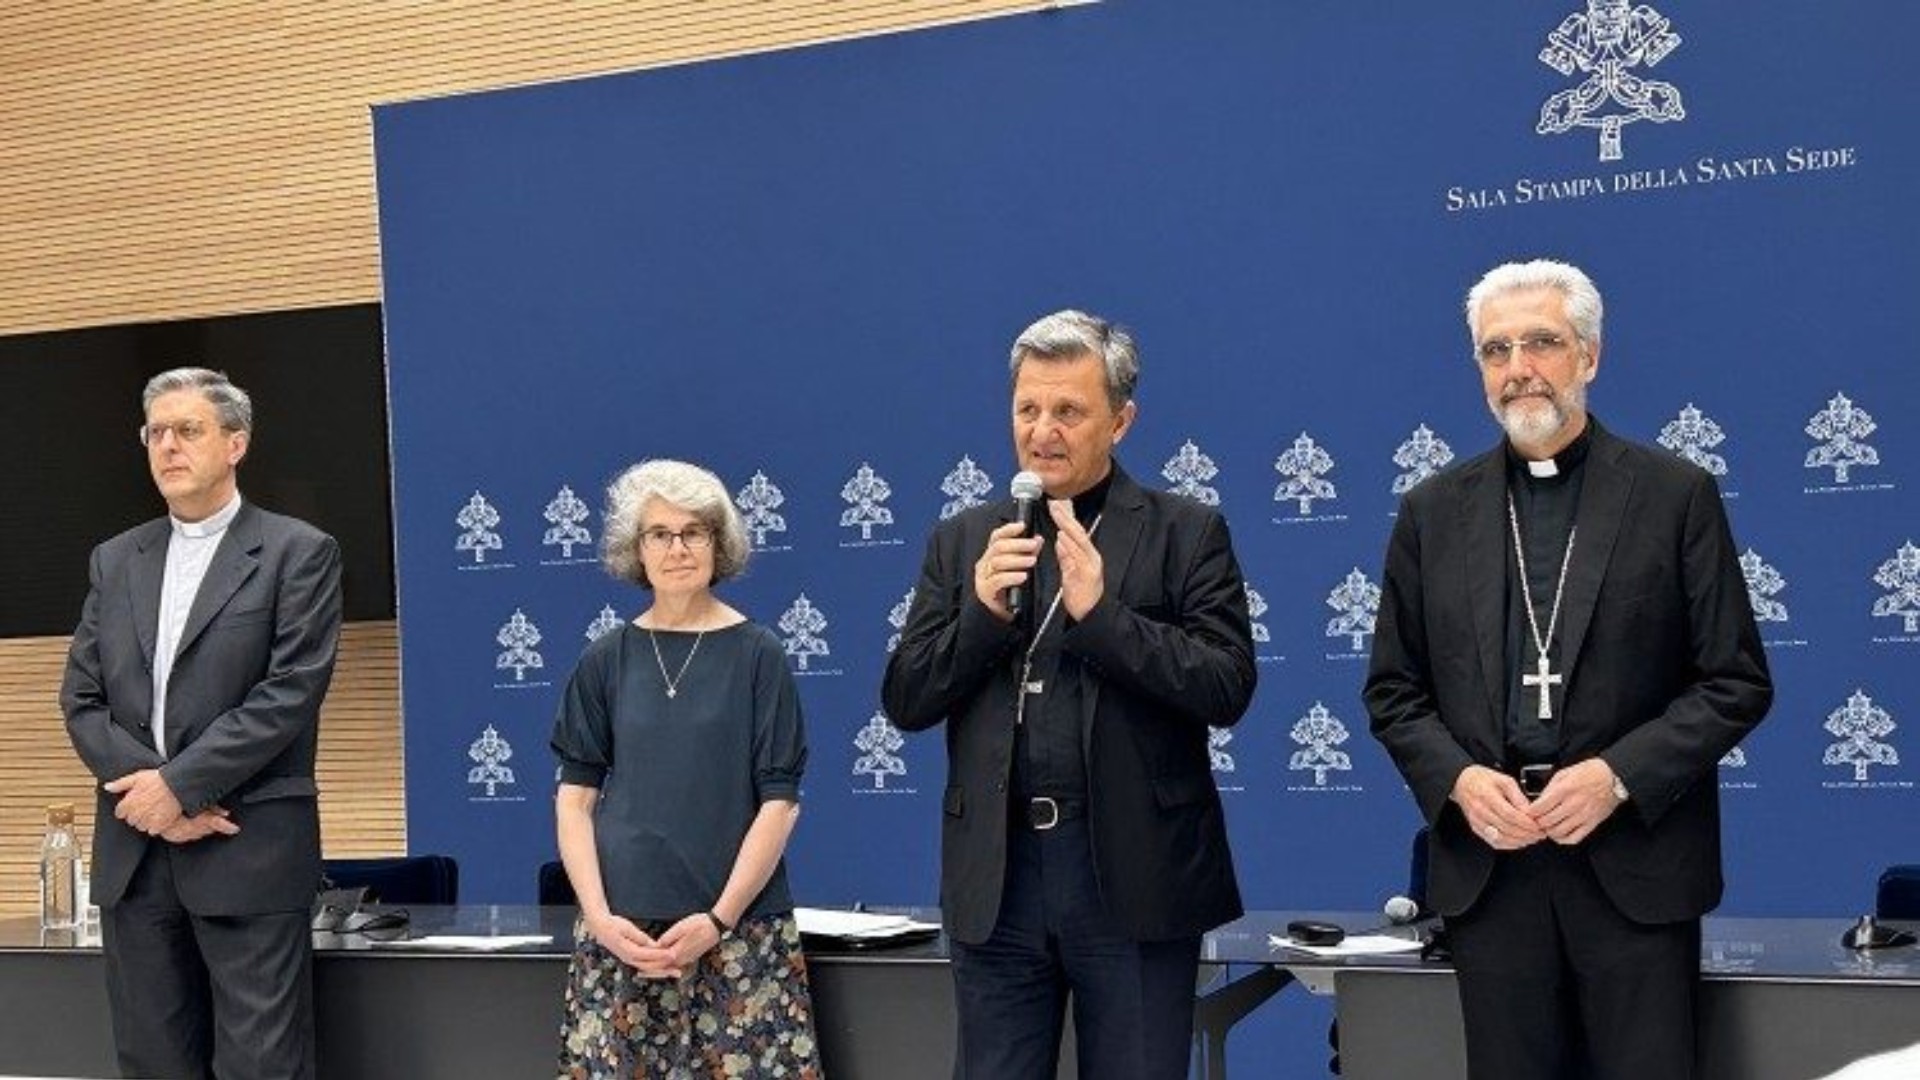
(1169, 652)
(1663, 666)
(243, 705)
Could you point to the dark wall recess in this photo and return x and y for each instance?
(74, 472)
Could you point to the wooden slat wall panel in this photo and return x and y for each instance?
(163, 160)
(362, 800)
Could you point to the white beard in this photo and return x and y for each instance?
(1530, 421)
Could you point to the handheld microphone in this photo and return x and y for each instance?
(1026, 491)
(1400, 911)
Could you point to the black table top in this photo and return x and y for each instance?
(23, 935)
(1732, 949)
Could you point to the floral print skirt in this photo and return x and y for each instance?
(744, 1011)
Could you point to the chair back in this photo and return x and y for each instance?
(1899, 893)
(401, 879)
(556, 890)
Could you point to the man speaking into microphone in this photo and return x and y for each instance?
(1083, 846)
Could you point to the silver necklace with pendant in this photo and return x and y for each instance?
(673, 681)
(1543, 677)
(1028, 685)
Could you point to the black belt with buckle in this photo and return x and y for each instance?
(1533, 778)
(1045, 811)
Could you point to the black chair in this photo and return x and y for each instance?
(1899, 894)
(556, 890)
(402, 879)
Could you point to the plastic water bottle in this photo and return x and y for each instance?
(60, 897)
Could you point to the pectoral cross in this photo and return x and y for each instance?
(1029, 686)
(1545, 680)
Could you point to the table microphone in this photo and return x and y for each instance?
(1026, 490)
(1401, 911)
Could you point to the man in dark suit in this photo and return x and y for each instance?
(1564, 651)
(1083, 849)
(193, 693)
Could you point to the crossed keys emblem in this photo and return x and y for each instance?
(1607, 42)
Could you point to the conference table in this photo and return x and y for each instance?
(386, 1009)
(1782, 1001)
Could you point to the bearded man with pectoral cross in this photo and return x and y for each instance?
(1564, 652)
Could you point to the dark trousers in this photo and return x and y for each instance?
(1053, 942)
(197, 997)
(1556, 983)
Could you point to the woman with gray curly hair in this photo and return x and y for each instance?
(681, 747)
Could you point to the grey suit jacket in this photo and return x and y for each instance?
(243, 704)
(1663, 666)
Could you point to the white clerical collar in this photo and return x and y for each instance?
(1543, 468)
(213, 524)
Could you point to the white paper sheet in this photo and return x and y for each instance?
(1358, 945)
(468, 942)
(855, 925)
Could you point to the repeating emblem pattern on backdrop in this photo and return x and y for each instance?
(1692, 435)
(603, 624)
(1860, 725)
(1606, 42)
(1901, 575)
(1256, 607)
(1842, 428)
(1733, 771)
(866, 492)
(1763, 584)
(517, 638)
(1188, 471)
(564, 515)
(1303, 468)
(759, 503)
(1217, 740)
(490, 754)
(1422, 455)
(897, 618)
(477, 520)
(1226, 770)
(1320, 734)
(802, 626)
(879, 743)
(1358, 602)
(966, 486)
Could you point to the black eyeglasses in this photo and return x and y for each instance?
(694, 537)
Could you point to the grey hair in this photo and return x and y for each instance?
(689, 487)
(1069, 335)
(1584, 309)
(231, 402)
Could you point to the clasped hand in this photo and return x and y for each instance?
(672, 955)
(1010, 558)
(148, 804)
(1576, 800)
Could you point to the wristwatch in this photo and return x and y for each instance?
(1619, 789)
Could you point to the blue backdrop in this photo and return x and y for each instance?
(803, 269)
